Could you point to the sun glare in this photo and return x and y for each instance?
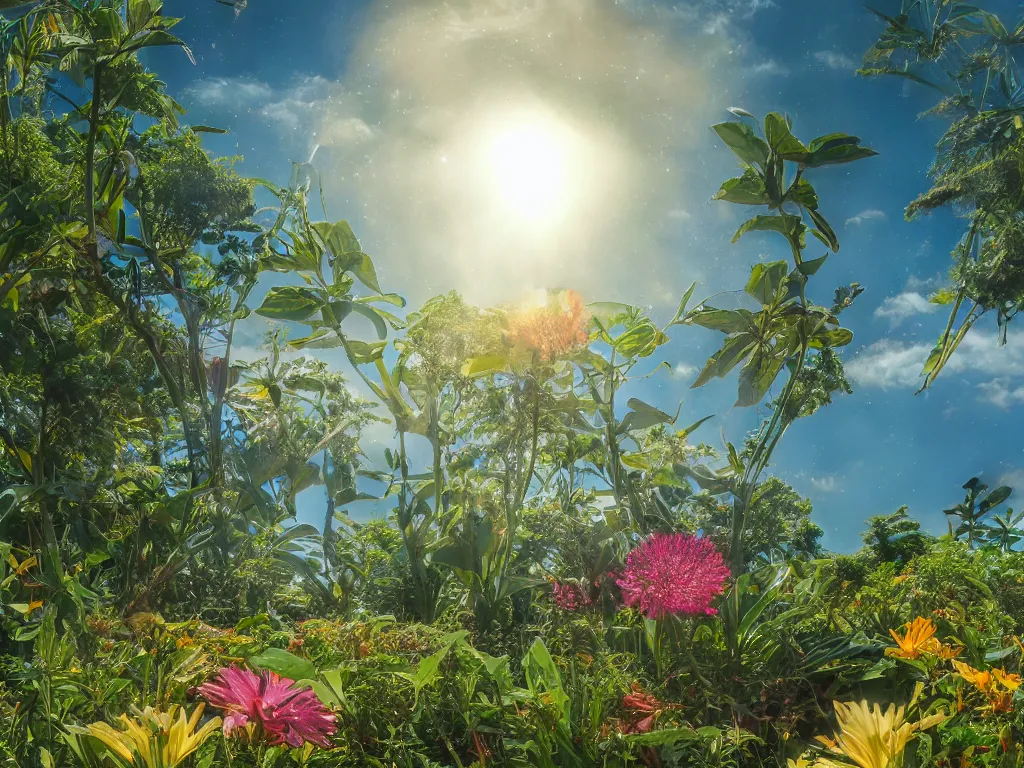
(529, 163)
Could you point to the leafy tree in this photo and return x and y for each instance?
(969, 56)
(895, 538)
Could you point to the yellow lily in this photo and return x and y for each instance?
(872, 738)
(156, 739)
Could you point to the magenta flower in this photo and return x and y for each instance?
(673, 573)
(569, 596)
(270, 704)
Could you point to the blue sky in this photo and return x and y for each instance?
(396, 95)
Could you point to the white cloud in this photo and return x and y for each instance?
(679, 214)
(827, 483)
(294, 111)
(770, 67)
(871, 214)
(903, 305)
(925, 284)
(1000, 393)
(836, 60)
(229, 92)
(894, 364)
(685, 370)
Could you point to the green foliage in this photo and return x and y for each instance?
(968, 55)
(148, 478)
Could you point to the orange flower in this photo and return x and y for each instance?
(980, 680)
(997, 684)
(553, 329)
(915, 641)
(919, 639)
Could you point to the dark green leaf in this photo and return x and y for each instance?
(747, 189)
(757, 376)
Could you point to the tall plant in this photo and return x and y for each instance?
(787, 330)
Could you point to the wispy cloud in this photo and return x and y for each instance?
(871, 214)
(770, 67)
(836, 60)
(827, 483)
(904, 305)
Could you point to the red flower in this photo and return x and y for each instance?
(673, 573)
(269, 703)
(569, 596)
(643, 710)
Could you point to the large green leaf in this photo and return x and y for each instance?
(837, 337)
(781, 139)
(725, 320)
(642, 416)
(766, 280)
(287, 302)
(283, 663)
(640, 340)
(747, 189)
(735, 349)
(757, 376)
(785, 224)
(322, 338)
(747, 146)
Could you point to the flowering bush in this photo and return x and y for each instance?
(269, 707)
(673, 574)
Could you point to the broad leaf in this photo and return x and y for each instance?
(747, 146)
(747, 189)
(766, 280)
(289, 302)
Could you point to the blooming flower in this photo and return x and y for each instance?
(872, 738)
(919, 639)
(569, 596)
(155, 739)
(268, 705)
(643, 710)
(673, 573)
(998, 685)
(553, 329)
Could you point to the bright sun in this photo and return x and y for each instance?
(529, 165)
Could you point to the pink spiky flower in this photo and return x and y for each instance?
(675, 574)
(269, 704)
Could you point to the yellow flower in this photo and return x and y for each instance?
(1006, 679)
(872, 738)
(916, 640)
(156, 739)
